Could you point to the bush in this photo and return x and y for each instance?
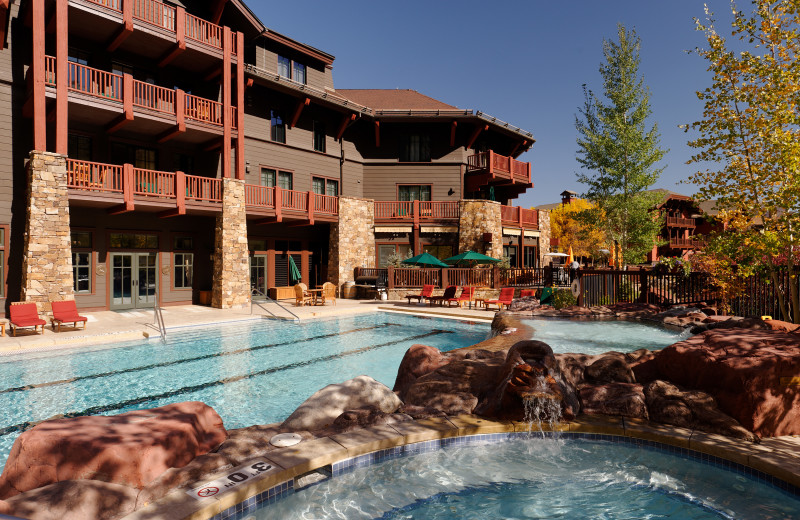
(563, 298)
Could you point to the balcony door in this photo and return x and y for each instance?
(134, 280)
(258, 276)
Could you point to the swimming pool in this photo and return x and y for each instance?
(598, 336)
(582, 477)
(249, 372)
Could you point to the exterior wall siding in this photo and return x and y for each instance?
(381, 180)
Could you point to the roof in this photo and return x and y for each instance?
(549, 207)
(308, 50)
(393, 99)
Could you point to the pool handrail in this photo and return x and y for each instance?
(276, 302)
(158, 318)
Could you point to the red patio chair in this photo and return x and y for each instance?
(466, 297)
(505, 298)
(449, 292)
(427, 292)
(66, 312)
(24, 314)
(527, 292)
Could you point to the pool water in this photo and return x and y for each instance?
(539, 478)
(250, 372)
(597, 337)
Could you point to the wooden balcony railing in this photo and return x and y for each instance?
(116, 5)
(202, 31)
(87, 175)
(155, 13)
(259, 196)
(327, 204)
(501, 166)
(416, 210)
(522, 217)
(680, 222)
(294, 200)
(152, 183)
(684, 243)
(110, 86)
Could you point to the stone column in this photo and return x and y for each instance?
(231, 285)
(352, 239)
(47, 255)
(544, 236)
(477, 217)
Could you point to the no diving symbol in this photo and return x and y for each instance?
(208, 491)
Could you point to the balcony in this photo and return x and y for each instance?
(499, 167)
(520, 217)
(685, 243)
(305, 206)
(104, 95)
(680, 222)
(416, 212)
(132, 24)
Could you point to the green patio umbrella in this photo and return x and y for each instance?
(425, 259)
(294, 272)
(470, 258)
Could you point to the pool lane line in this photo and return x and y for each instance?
(188, 360)
(94, 410)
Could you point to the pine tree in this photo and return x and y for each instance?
(619, 151)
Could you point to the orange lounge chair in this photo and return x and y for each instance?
(527, 292)
(449, 292)
(25, 314)
(66, 312)
(466, 297)
(426, 293)
(505, 298)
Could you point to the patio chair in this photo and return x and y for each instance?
(527, 292)
(25, 314)
(466, 297)
(426, 293)
(449, 292)
(66, 312)
(505, 298)
(328, 293)
(301, 294)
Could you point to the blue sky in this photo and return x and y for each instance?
(520, 61)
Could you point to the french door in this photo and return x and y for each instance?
(134, 280)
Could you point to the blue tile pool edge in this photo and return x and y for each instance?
(344, 466)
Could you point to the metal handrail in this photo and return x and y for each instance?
(259, 293)
(158, 318)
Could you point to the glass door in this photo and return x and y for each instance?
(147, 279)
(134, 280)
(258, 276)
(122, 281)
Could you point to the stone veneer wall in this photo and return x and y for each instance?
(231, 286)
(47, 255)
(352, 239)
(476, 218)
(544, 236)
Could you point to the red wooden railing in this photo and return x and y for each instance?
(204, 189)
(680, 221)
(156, 98)
(153, 183)
(233, 43)
(530, 217)
(478, 161)
(202, 31)
(402, 277)
(261, 196)
(203, 110)
(94, 82)
(494, 163)
(326, 204)
(50, 71)
(394, 209)
(92, 176)
(515, 215)
(438, 209)
(684, 243)
(501, 163)
(295, 200)
(155, 13)
(111, 4)
(234, 118)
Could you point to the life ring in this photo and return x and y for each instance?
(576, 288)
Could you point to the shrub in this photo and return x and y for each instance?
(563, 298)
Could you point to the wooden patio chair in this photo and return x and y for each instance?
(449, 292)
(301, 295)
(328, 293)
(505, 298)
(66, 312)
(23, 315)
(466, 297)
(426, 293)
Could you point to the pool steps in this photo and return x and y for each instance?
(776, 461)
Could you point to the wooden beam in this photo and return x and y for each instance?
(126, 29)
(453, 126)
(213, 145)
(298, 109)
(62, 71)
(240, 168)
(301, 223)
(343, 126)
(377, 134)
(268, 220)
(217, 8)
(249, 82)
(226, 102)
(180, 38)
(517, 146)
(475, 134)
(117, 123)
(213, 73)
(39, 91)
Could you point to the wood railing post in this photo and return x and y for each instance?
(127, 186)
(491, 163)
(643, 287)
(580, 290)
(445, 277)
(127, 96)
(415, 210)
(278, 202)
(390, 277)
(180, 109)
(180, 192)
(495, 277)
(311, 202)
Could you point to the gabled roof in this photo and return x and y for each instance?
(307, 50)
(394, 99)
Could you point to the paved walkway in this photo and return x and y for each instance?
(116, 326)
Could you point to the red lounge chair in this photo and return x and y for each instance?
(505, 298)
(466, 296)
(25, 315)
(426, 293)
(449, 292)
(527, 292)
(66, 312)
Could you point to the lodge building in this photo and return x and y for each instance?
(179, 150)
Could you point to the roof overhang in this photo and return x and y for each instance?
(307, 50)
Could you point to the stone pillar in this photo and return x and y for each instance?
(47, 255)
(544, 236)
(352, 239)
(476, 218)
(231, 285)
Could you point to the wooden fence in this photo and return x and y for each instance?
(489, 277)
(605, 287)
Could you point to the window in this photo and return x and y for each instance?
(284, 67)
(285, 180)
(319, 136)
(183, 244)
(133, 241)
(416, 148)
(511, 252)
(324, 186)
(257, 244)
(183, 270)
(387, 250)
(140, 157)
(410, 192)
(184, 163)
(79, 147)
(81, 265)
(299, 73)
(440, 252)
(268, 177)
(80, 239)
(277, 127)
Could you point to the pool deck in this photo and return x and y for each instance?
(778, 457)
(118, 326)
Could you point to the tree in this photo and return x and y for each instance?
(750, 134)
(619, 151)
(585, 238)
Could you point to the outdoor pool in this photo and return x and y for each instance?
(249, 372)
